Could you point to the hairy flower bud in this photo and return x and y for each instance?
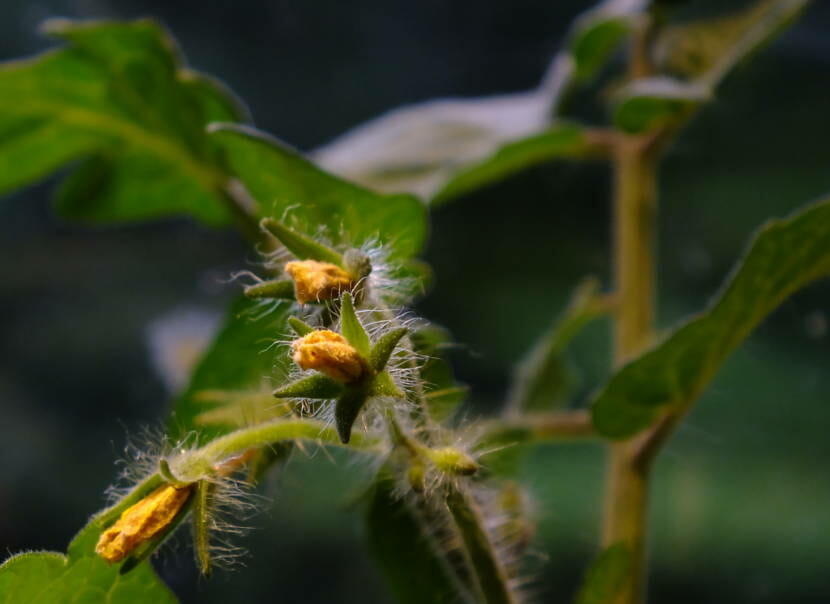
(317, 281)
(328, 352)
(142, 521)
(452, 461)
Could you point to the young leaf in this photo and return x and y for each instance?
(118, 95)
(702, 54)
(705, 51)
(301, 328)
(597, 33)
(351, 328)
(652, 102)
(606, 576)
(785, 256)
(541, 379)
(283, 180)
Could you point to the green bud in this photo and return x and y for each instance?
(415, 476)
(451, 460)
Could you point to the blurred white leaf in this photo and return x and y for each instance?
(177, 340)
(416, 148)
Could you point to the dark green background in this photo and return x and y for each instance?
(741, 499)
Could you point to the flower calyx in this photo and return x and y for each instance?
(350, 368)
(318, 273)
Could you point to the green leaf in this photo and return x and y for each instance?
(443, 395)
(413, 564)
(564, 141)
(49, 577)
(303, 247)
(606, 576)
(707, 50)
(283, 180)
(653, 102)
(82, 575)
(243, 356)
(351, 328)
(117, 96)
(701, 54)
(784, 256)
(541, 380)
(594, 40)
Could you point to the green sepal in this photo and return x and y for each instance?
(351, 328)
(146, 549)
(201, 525)
(383, 385)
(167, 474)
(302, 246)
(276, 288)
(301, 328)
(382, 350)
(347, 409)
(313, 386)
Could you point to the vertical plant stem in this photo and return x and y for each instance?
(627, 474)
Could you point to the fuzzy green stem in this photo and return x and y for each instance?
(197, 463)
(490, 573)
(625, 511)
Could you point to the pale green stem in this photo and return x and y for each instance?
(192, 465)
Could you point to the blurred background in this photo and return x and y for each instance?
(741, 498)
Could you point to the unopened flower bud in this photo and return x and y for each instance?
(452, 461)
(142, 521)
(328, 352)
(317, 281)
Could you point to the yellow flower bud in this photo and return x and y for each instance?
(316, 281)
(328, 352)
(452, 461)
(142, 521)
